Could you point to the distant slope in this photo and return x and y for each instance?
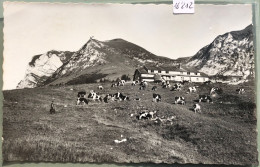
(229, 54)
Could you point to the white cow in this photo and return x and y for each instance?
(192, 89)
(100, 87)
(196, 108)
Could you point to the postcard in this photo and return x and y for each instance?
(129, 83)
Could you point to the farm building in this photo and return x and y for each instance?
(150, 74)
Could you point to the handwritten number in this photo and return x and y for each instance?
(190, 5)
(183, 5)
(177, 5)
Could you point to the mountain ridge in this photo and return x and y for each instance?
(122, 56)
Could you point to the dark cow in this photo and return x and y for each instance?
(82, 94)
(52, 110)
(108, 97)
(240, 90)
(176, 87)
(124, 98)
(142, 87)
(205, 98)
(179, 100)
(135, 82)
(143, 83)
(154, 88)
(156, 97)
(82, 101)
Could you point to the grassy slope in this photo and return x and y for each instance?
(223, 133)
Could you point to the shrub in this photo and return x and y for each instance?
(125, 77)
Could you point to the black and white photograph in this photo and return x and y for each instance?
(129, 83)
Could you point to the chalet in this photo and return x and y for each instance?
(151, 73)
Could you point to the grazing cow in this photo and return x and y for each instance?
(100, 87)
(143, 83)
(117, 95)
(52, 110)
(121, 83)
(135, 82)
(215, 90)
(82, 94)
(146, 115)
(113, 85)
(120, 96)
(82, 101)
(167, 86)
(179, 100)
(205, 98)
(192, 89)
(94, 96)
(124, 98)
(176, 87)
(154, 88)
(240, 90)
(108, 97)
(156, 97)
(196, 108)
(142, 87)
(163, 82)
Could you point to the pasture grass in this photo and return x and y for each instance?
(223, 133)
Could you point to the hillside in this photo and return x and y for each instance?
(223, 133)
(229, 54)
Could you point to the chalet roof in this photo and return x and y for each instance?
(142, 70)
(172, 68)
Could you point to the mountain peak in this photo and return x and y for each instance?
(91, 43)
(229, 54)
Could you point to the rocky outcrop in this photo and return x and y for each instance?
(43, 66)
(229, 54)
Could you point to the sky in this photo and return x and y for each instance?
(35, 28)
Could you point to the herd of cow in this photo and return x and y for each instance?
(82, 99)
